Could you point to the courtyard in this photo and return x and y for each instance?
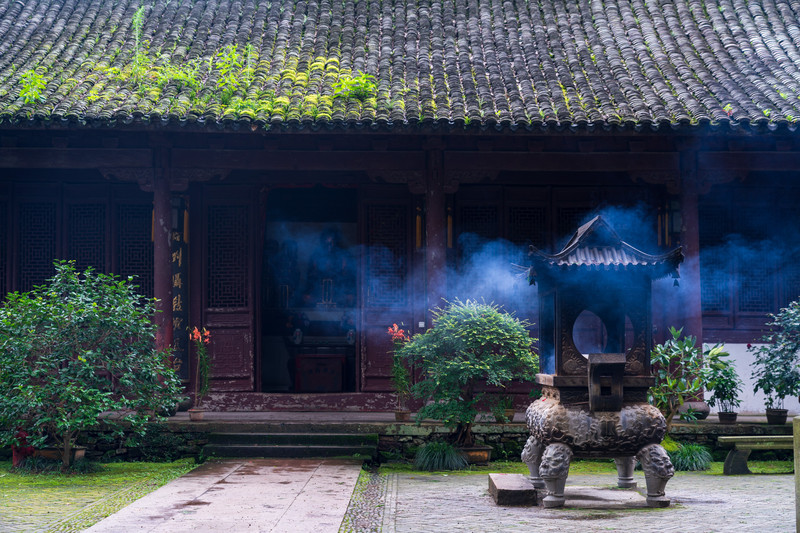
(339, 495)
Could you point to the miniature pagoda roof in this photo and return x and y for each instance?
(596, 246)
(455, 65)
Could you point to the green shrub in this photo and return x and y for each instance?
(678, 368)
(690, 457)
(436, 456)
(76, 354)
(470, 344)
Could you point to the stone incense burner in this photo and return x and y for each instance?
(595, 404)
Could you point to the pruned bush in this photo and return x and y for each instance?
(471, 344)
(436, 456)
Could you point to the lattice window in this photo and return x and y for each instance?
(135, 253)
(387, 248)
(791, 284)
(228, 238)
(37, 243)
(86, 236)
(756, 288)
(527, 225)
(478, 223)
(3, 249)
(715, 269)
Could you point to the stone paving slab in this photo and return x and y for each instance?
(700, 503)
(245, 495)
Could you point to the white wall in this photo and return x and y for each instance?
(752, 403)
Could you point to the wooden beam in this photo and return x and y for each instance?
(74, 158)
(562, 161)
(298, 160)
(748, 160)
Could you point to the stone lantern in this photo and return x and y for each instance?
(595, 404)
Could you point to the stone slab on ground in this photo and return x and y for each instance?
(239, 495)
(512, 489)
(610, 498)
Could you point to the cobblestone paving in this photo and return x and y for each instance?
(700, 503)
(366, 511)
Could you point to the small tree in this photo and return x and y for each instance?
(469, 345)
(721, 378)
(77, 353)
(775, 366)
(678, 368)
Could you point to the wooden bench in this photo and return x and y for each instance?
(736, 461)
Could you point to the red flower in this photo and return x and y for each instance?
(397, 334)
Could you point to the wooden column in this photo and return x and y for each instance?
(162, 260)
(435, 230)
(690, 240)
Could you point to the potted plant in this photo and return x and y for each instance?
(201, 339)
(470, 345)
(503, 409)
(775, 365)
(401, 377)
(678, 369)
(723, 382)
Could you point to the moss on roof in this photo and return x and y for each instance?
(456, 64)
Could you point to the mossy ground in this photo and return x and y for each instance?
(73, 502)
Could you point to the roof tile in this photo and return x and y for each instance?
(494, 63)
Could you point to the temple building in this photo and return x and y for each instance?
(298, 175)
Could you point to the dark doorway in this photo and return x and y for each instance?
(309, 290)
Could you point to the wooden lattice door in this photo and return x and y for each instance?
(228, 291)
(386, 288)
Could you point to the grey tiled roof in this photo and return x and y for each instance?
(596, 246)
(448, 64)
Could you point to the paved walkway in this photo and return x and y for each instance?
(700, 503)
(241, 495)
(321, 496)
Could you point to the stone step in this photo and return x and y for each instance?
(288, 450)
(308, 439)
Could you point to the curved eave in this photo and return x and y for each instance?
(158, 123)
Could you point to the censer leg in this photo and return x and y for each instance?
(532, 456)
(625, 466)
(658, 470)
(554, 470)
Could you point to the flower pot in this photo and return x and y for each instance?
(506, 417)
(477, 455)
(76, 453)
(196, 414)
(726, 418)
(777, 416)
(402, 416)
